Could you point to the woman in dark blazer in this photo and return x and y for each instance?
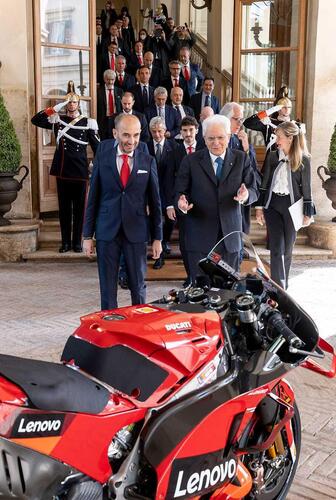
(286, 179)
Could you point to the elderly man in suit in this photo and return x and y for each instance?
(124, 183)
(163, 151)
(167, 113)
(239, 140)
(190, 72)
(124, 81)
(210, 186)
(108, 103)
(205, 98)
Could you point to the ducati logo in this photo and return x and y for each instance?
(184, 325)
(29, 425)
(197, 475)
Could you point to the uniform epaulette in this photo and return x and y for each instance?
(92, 123)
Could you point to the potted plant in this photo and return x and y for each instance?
(10, 157)
(330, 184)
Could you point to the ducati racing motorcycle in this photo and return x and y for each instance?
(184, 397)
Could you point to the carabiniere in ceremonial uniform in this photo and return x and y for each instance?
(73, 133)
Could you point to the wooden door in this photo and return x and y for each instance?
(64, 50)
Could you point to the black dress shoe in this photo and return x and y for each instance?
(158, 263)
(64, 248)
(77, 248)
(166, 248)
(123, 283)
(186, 283)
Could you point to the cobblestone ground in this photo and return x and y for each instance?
(41, 304)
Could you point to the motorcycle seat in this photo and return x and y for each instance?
(53, 386)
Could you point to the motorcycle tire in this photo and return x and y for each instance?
(280, 490)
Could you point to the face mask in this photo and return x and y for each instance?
(142, 37)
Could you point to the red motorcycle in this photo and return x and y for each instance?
(180, 398)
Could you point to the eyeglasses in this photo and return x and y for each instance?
(218, 138)
(238, 120)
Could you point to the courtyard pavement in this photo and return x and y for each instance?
(41, 303)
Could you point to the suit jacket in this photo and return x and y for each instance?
(214, 211)
(156, 76)
(173, 168)
(139, 104)
(110, 206)
(105, 129)
(133, 63)
(235, 143)
(168, 84)
(145, 135)
(196, 104)
(165, 166)
(127, 84)
(194, 84)
(171, 118)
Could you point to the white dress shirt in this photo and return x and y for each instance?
(120, 159)
(193, 146)
(281, 179)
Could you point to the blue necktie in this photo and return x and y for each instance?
(207, 101)
(219, 168)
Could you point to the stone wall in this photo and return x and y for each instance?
(17, 86)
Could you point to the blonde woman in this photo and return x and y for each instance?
(286, 179)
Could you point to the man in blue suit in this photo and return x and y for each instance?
(124, 185)
(190, 73)
(169, 115)
(205, 98)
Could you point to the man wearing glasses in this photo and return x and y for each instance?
(239, 140)
(211, 185)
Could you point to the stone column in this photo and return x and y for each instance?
(17, 88)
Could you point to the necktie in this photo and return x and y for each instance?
(158, 153)
(186, 73)
(121, 79)
(179, 112)
(219, 168)
(112, 62)
(140, 59)
(175, 82)
(207, 101)
(111, 105)
(125, 170)
(190, 150)
(161, 112)
(145, 95)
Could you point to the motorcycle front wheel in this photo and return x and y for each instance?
(277, 481)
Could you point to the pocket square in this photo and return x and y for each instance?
(142, 171)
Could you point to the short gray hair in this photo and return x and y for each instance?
(160, 91)
(216, 120)
(157, 121)
(121, 57)
(109, 73)
(227, 109)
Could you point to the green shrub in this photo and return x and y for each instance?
(332, 153)
(10, 149)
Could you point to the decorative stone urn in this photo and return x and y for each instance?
(329, 185)
(9, 188)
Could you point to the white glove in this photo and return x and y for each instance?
(268, 112)
(59, 106)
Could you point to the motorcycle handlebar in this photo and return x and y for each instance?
(278, 324)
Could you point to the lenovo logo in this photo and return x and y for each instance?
(197, 475)
(29, 425)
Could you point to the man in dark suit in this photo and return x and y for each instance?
(108, 103)
(210, 186)
(176, 97)
(136, 59)
(124, 80)
(124, 182)
(187, 146)
(163, 151)
(190, 72)
(205, 98)
(143, 92)
(99, 54)
(160, 48)
(109, 56)
(175, 80)
(155, 71)
(113, 36)
(127, 102)
(167, 113)
(239, 140)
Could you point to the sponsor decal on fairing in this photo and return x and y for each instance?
(183, 325)
(30, 425)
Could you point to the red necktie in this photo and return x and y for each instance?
(175, 82)
(121, 79)
(186, 73)
(190, 150)
(111, 105)
(125, 170)
(112, 62)
(140, 59)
